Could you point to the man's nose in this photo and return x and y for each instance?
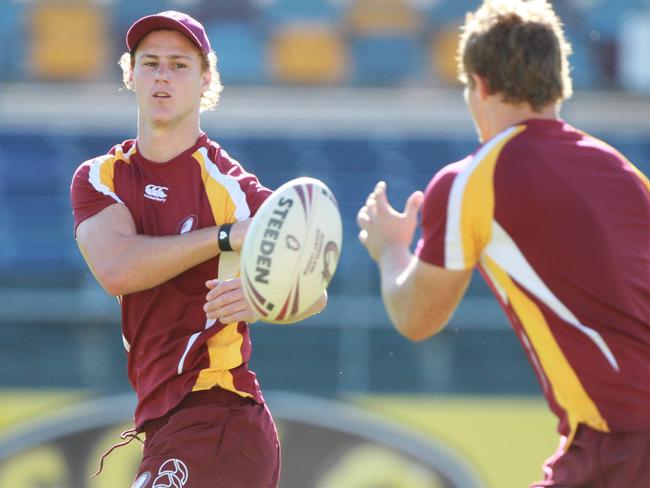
(163, 72)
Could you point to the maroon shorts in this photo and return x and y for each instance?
(600, 460)
(212, 439)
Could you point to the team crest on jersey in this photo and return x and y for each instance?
(187, 225)
(156, 192)
(172, 474)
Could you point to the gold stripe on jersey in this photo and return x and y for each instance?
(471, 205)
(228, 204)
(644, 179)
(224, 350)
(227, 200)
(101, 173)
(567, 388)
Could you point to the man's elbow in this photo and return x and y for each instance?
(112, 281)
(417, 329)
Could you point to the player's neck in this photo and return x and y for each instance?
(163, 143)
(504, 115)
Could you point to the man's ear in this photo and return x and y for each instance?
(206, 80)
(131, 83)
(482, 86)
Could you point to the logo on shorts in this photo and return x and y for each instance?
(142, 480)
(155, 192)
(172, 474)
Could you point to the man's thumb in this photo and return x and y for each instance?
(413, 204)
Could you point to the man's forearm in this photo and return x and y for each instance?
(140, 262)
(393, 265)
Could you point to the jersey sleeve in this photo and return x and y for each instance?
(255, 193)
(453, 220)
(92, 189)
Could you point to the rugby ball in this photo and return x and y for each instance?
(291, 249)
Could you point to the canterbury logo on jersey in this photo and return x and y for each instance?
(155, 192)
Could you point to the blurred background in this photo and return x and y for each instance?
(348, 91)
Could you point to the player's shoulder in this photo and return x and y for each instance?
(121, 152)
(217, 156)
(450, 171)
(443, 180)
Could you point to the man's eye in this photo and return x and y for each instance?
(180, 65)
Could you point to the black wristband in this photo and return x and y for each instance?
(224, 238)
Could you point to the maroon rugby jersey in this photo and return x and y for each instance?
(559, 224)
(171, 348)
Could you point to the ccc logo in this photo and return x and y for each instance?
(155, 192)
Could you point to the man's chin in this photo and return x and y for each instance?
(161, 120)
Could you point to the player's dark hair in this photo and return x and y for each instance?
(520, 49)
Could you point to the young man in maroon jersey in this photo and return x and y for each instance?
(559, 225)
(155, 219)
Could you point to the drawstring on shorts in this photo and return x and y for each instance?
(128, 436)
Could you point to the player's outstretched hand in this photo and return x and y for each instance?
(382, 226)
(226, 302)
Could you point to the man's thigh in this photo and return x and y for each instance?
(211, 446)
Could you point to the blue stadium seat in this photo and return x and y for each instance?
(28, 166)
(13, 40)
(386, 59)
(240, 51)
(280, 11)
(125, 12)
(39, 248)
(446, 11)
(583, 61)
(206, 11)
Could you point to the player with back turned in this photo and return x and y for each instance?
(155, 219)
(558, 223)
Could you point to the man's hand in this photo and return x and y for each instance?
(226, 302)
(382, 226)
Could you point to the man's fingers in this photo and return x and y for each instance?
(363, 236)
(363, 218)
(380, 194)
(413, 204)
(225, 311)
(221, 287)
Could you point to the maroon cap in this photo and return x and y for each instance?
(170, 19)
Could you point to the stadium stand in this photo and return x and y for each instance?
(307, 53)
(385, 42)
(13, 21)
(241, 51)
(77, 52)
(365, 42)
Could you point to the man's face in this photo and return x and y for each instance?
(168, 78)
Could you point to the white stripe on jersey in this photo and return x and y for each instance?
(208, 323)
(94, 177)
(242, 210)
(503, 250)
(454, 253)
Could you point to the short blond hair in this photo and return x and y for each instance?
(519, 47)
(209, 98)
